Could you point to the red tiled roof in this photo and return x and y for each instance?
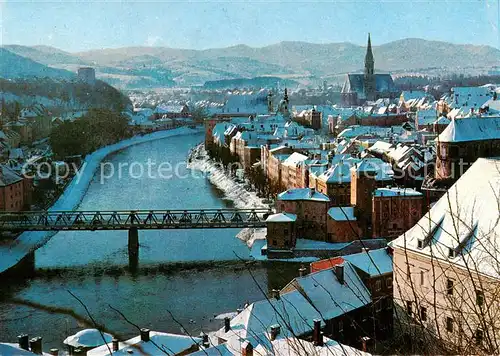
(325, 264)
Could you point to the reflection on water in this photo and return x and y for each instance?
(193, 293)
(181, 272)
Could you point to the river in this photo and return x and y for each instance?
(193, 274)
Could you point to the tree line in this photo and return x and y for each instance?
(98, 128)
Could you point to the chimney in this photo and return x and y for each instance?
(339, 273)
(227, 324)
(275, 331)
(23, 341)
(275, 294)
(302, 271)
(54, 352)
(36, 345)
(204, 339)
(246, 349)
(317, 334)
(115, 344)
(365, 340)
(79, 352)
(145, 334)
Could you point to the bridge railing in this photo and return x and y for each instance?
(142, 219)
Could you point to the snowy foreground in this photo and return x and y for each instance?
(29, 241)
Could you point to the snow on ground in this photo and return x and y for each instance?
(73, 194)
(233, 190)
(251, 235)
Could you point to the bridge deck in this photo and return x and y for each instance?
(141, 219)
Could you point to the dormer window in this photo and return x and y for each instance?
(420, 243)
(452, 253)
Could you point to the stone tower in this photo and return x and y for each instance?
(270, 107)
(369, 77)
(284, 105)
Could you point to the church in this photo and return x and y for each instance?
(367, 86)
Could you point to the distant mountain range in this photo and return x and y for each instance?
(142, 67)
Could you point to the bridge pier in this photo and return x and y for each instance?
(133, 248)
(133, 240)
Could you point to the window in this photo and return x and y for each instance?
(388, 303)
(423, 314)
(378, 306)
(449, 324)
(285, 231)
(449, 286)
(420, 243)
(378, 285)
(479, 298)
(274, 242)
(409, 308)
(341, 326)
(451, 253)
(479, 336)
(388, 282)
(422, 278)
(408, 272)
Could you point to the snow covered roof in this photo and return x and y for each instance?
(381, 147)
(382, 169)
(464, 220)
(218, 350)
(469, 97)
(171, 343)
(88, 338)
(164, 109)
(294, 159)
(8, 176)
(339, 173)
(282, 217)
(471, 129)
(303, 194)
(394, 192)
(10, 349)
(331, 297)
(414, 94)
(299, 347)
(344, 213)
(292, 312)
(373, 262)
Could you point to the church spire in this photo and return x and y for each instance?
(369, 77)
(369, 61)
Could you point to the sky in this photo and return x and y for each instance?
(87, 24)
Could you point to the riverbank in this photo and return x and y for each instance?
(234, 191)
(73, 194)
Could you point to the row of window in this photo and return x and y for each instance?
(378, 283)
(450, 287)
(449, 321)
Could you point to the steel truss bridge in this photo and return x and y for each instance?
(132, 220)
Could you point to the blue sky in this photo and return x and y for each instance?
(86, 24)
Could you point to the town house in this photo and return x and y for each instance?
(446, 271)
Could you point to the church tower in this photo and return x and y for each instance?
(369, 77)
(284, 105)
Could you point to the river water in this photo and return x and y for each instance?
(192, 274)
